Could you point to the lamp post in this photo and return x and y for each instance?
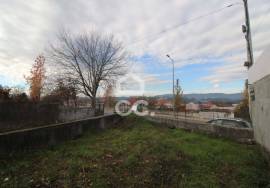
(171, 59)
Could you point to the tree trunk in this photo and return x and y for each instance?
(93, 104)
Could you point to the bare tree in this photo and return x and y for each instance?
(89, 59)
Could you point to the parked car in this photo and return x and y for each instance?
(226, 122)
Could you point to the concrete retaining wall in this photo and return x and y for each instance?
(236, 134)
(72, 114)
(52, 134)
(201, 116)
(260, 111)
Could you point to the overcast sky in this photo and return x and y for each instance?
(209, 52)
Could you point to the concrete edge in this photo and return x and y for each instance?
(204, 128)
(51, 135)
(55, 124)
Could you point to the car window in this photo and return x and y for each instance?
(229, 123)
(216, 122)
(242, 125)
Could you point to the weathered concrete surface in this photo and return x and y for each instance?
(261, 68)
(260, 111)
(53, 134)
(200, 116)
(236, 134)
(73, 114)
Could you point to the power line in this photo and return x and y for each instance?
(183, 24)
(187, 22)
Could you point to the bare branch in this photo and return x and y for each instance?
(89, 60)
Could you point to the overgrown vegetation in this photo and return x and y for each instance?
(139, 154)
(178, 100)
(242, 110)
(17, 111)
(36, 78)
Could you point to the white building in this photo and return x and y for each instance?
(192, 107)
(259, 88)
(225, 108)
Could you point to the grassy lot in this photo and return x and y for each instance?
(139, 154)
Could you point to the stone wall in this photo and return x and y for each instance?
(52, 134)
(236, 134)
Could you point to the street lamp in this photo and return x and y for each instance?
(171, 59)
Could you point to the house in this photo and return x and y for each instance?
(168, 105)
(223, 108)
(259, 91)
(164, 103)
(192, 107)
(206, 106)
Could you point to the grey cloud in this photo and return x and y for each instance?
(27, 26)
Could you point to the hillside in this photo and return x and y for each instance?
(234, 97)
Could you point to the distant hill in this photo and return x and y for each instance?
(202, 97)
(222, 97)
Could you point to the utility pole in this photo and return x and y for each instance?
(247, 30)
(250, 59)
(173, 82)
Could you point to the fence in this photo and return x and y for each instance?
(15, 116)
(28, 111)
(75, 113)
(20, 115)
(200, 116)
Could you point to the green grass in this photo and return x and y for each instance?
(139, 154)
